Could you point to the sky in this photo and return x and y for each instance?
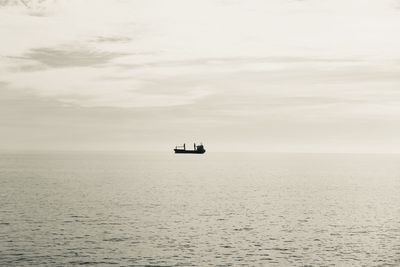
(254, 75)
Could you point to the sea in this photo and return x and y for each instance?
(215, 209)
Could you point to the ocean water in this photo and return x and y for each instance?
(216, 209)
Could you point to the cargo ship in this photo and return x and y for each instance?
(197, 149)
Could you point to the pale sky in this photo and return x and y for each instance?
(251, 75)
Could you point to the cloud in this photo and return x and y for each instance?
(234, 61)
(111, 39)
(69, 57)
(84, 86)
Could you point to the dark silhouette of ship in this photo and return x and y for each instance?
(197, 149)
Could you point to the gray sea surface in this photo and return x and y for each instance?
(216, 209)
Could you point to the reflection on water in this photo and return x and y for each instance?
(212, 209)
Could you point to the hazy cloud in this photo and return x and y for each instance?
(69, 57)
(111, 39)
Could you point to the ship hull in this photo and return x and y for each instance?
(181, 151)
